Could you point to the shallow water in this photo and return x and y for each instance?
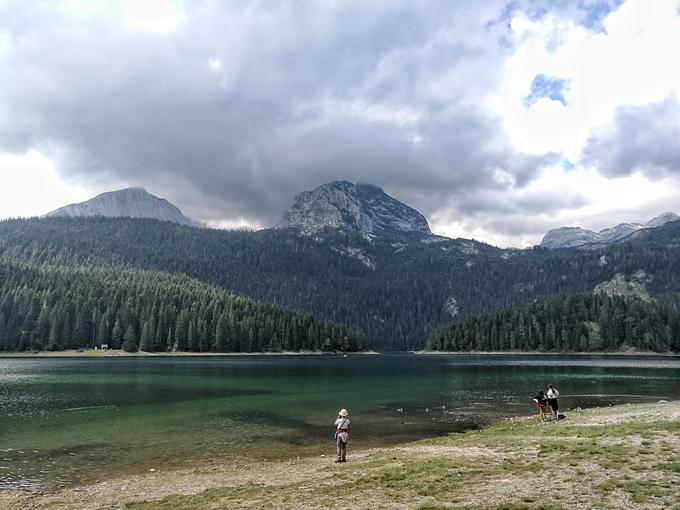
(72, 420)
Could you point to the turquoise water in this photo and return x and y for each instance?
(70, 420)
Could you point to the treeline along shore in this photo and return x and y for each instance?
(623, 457)
(54, 308)
(579, 323)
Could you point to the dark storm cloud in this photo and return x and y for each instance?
(244, 105)
(485, 202)
(639, 138)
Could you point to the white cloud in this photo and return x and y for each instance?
(32, 187)
(152, 15)
(628, 64)
(234, 224)
(159, 16)
(600, 202)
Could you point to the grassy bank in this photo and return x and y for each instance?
(620, 457)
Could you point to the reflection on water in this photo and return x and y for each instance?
(73, 420)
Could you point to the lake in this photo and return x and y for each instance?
(74, 420)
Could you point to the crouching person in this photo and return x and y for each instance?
(341, 435)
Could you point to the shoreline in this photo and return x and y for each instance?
(111, 353)
(620, 457)
(541, 353)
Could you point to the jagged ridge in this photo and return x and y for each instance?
(576, 237)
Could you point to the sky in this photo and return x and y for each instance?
(497, 120)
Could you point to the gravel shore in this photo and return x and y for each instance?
(616, 457)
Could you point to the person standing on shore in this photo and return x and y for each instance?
(341, 435)
(541, 403)
(552, 400)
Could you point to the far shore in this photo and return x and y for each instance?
(115, 353)
(542, 353)
(118, 353)
(623, 457)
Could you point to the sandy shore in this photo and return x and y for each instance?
(618, 457)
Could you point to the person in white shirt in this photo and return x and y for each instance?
(552, 400)
(341, 435)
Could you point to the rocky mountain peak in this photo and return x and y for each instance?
(576, 237)
(662, 219)
(364, 209)
(127, 202)
(568, 237)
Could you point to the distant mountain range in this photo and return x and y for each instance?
(346, 253)
(126, 203)
(577, 237)
(347, 208)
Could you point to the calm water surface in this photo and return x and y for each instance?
(72, 420)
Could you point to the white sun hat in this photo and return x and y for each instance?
(343, 413)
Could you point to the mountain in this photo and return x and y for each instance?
(569, 237)
(576, 237)
(344, 253)
(398, 301)
(128, 202)
(360, 209)
(662, 219)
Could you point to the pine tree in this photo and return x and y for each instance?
(181, 332)
(145, 340)
(220, 336)
(130, 340)
(53, 342)
(103, 336)
(116, 335)
(3, 336)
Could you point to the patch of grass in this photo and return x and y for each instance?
(524, 506)
(441, 478)
(636, 457)
(670, 466)
(204, 499)
(433, 506)
(641, 491)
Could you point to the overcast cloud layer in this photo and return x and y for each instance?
(482, 115)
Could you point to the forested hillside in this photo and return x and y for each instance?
(586, 322)
(398, 293)
(56, 307)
